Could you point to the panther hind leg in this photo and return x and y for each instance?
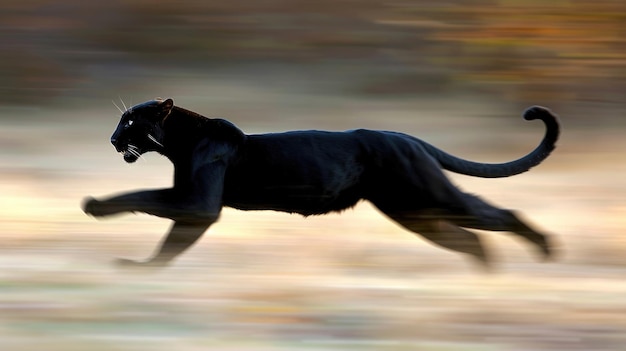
(443, 233)
(478, 214)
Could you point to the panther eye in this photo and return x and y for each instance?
(130, 122)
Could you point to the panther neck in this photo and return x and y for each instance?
(182, 130)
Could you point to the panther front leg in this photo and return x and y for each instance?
(191, 221)
(155, 202)
(181, 236)
(165, 203)
(193, 207)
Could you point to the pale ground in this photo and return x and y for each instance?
(270, 281)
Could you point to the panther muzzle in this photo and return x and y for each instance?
(130, 152)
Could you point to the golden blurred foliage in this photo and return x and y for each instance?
(562, 50)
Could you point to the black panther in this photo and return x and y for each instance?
(310, 173)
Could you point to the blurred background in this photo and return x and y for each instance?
(455, 73)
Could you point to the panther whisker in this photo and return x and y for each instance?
(153, 139)
(118, 108)
(133, 150)
(123, 104)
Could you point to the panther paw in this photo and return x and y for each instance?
(124, 263)
(92, 207)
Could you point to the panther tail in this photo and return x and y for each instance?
(499, 170)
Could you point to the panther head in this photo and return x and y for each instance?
(140, 129)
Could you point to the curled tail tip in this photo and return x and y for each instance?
(538, 112)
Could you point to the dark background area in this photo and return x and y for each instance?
(562, 52)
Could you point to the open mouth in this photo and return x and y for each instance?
(131, 154)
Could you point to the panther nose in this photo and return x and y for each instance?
(114, 142)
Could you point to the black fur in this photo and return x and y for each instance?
(310, 173)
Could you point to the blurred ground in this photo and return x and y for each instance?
(270, 281)
(457, 75)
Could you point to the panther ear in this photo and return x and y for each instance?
(165, 108)
(166, 105)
